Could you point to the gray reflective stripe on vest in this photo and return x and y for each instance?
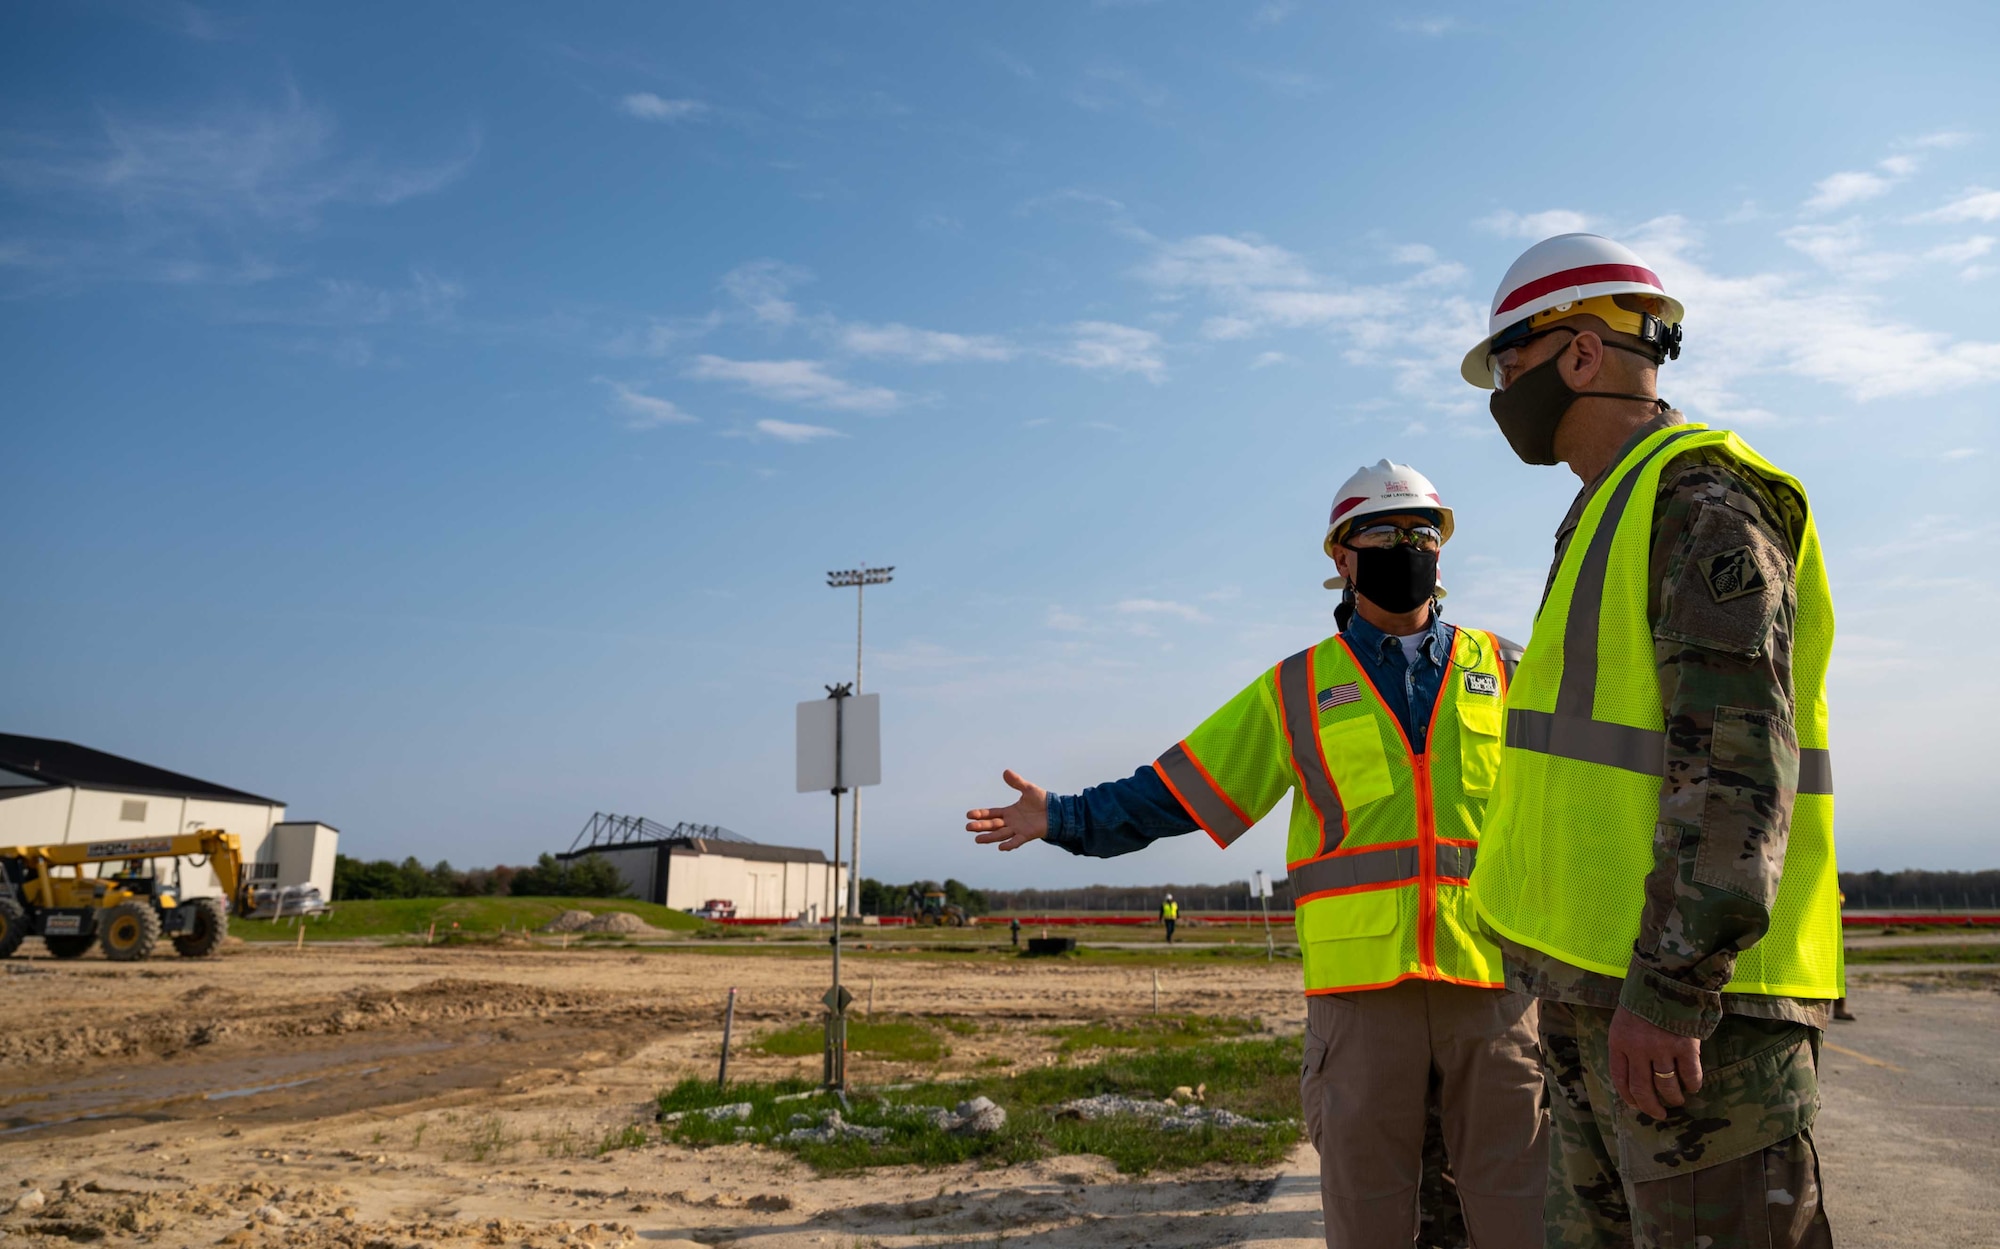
(1570, 731)
(1635, 750)
(1577, 696)
(1592, 741)
(1390, 865)
(1815, 770)
(1456, 861)
(1204, 804)
(1301, 709)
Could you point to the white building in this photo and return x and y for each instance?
(55, 792)
(689, 865)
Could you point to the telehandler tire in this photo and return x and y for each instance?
(211, 925)
(129, 931)
(13, 927)
(71, 946)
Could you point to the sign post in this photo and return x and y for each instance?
(839, 748)
(1263, 887)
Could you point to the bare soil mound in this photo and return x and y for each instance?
(569, 921)
(619, 921)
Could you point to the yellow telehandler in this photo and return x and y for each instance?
(44, 892)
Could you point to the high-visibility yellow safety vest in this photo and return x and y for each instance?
(1382, 837)
(1570, 829)
(1170, 910)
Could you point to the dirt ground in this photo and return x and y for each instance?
(375, 1096)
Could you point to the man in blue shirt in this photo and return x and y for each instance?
(1378, 1063)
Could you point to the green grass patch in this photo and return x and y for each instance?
(1152, 1032)
(412, 917)
(903, 1040)
(1942, 953)
(1256, 1077)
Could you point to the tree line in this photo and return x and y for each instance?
(882, 899)
(355, 880)
(593, 877)
(1875, 891)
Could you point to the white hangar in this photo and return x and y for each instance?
(54, 792)
(689, 865)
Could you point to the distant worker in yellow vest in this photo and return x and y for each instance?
(1170, 913)
(1388, 735)
(1658, 855)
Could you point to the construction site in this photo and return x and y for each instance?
(508, 1090)
(1064, 624)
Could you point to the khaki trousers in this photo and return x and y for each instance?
(1368, 1061)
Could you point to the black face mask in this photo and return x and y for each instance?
(1529, 411)
(1396, 579)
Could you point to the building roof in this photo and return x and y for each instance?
(48, 763)
(753, 851)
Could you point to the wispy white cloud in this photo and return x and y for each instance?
(280, 164)
(1848, 187)
(1069, 195)
(649, 107)
(1209, 261)
(793, 432)
(426, 298)
(1106, 346)
(806, 382)
(1942, 139)
(903, 342)
(195, 22)
(1974, 204)
(1417, 325)
(1110, 84)
(1272, 12)
(761, 286)
(1431, 27)
(661, 336)
(1963, 250)
(1012, 64)
(1844, 249)
(1161, 607)
(216, 196)
(1773, 324)
(1541, 225)
(1266, 359)
(1963, 453)
(643, 411)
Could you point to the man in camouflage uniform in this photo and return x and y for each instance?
(1719, 1152)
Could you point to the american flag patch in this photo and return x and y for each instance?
(1339, 696)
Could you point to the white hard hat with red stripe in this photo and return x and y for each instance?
(1556, 275)
(1385, 489)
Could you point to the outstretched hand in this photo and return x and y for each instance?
(1012, 826)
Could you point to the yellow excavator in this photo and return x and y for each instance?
(45, 892)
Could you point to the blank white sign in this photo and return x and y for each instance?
(860, 738)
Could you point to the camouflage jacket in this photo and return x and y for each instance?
(1719, 654)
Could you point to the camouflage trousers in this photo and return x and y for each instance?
(1733, 1168)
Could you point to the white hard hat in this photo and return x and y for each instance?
(1384, 488)
(1558, 273)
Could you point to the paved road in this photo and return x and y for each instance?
(1910, 1131)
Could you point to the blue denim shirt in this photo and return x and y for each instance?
(1119, 817)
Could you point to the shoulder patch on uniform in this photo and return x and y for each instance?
(1732, 574)
(1481, 683)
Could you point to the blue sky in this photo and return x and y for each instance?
(442, 417)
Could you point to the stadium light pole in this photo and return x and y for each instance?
(860, 578)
